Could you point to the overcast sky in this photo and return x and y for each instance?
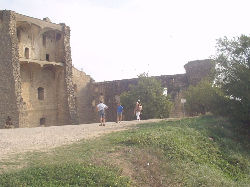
(119, 39)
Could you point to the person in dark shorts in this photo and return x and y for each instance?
(101, 107)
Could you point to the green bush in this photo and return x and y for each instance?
(204, 97)
(228, 94)
(150, 92)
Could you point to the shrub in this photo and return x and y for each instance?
(150, 92)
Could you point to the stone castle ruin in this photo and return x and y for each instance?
(39, 86)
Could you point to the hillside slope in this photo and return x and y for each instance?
(204, 151)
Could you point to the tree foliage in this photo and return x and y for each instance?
(150, 92)
(228, 93)
(204, 97)
(233, 74)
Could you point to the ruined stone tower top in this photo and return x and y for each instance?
(198, 69)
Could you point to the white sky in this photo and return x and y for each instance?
(119, 39)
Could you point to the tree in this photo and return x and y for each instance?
(204, 97)
(150, 92)
(233, 74)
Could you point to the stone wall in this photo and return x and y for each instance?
(63, 116)
(40, 44)
(10, 82)
(48, 108)
(36, 85)
(110, 91)
(81, 86)
(73, 115)
(41, 55)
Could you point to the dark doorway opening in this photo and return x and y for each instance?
(42, 121)
(26, 53)
(47, 57)
(40, 91)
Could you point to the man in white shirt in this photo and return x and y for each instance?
(101, 110)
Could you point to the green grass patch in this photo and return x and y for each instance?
(204, 151)
(69, 174)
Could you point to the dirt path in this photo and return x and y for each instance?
(20, 140)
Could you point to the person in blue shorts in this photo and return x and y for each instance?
(119, 113)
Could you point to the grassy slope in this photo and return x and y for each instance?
(192, 152)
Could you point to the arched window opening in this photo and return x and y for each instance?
(58, 36)
(40, 93)
(26, 53)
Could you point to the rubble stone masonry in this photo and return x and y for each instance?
(10, 82)
(197, 69)
(68, 77)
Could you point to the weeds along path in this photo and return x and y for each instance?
(20, 140)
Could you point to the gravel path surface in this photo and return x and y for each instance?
(20, 140)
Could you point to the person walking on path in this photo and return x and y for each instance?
(101, 107)
(119, 113)
(138, 109)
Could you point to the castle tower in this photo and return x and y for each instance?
(36, 72)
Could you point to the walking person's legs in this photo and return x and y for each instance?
(100, 121)
(121, 117)
(138, 116)
(102, 118)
